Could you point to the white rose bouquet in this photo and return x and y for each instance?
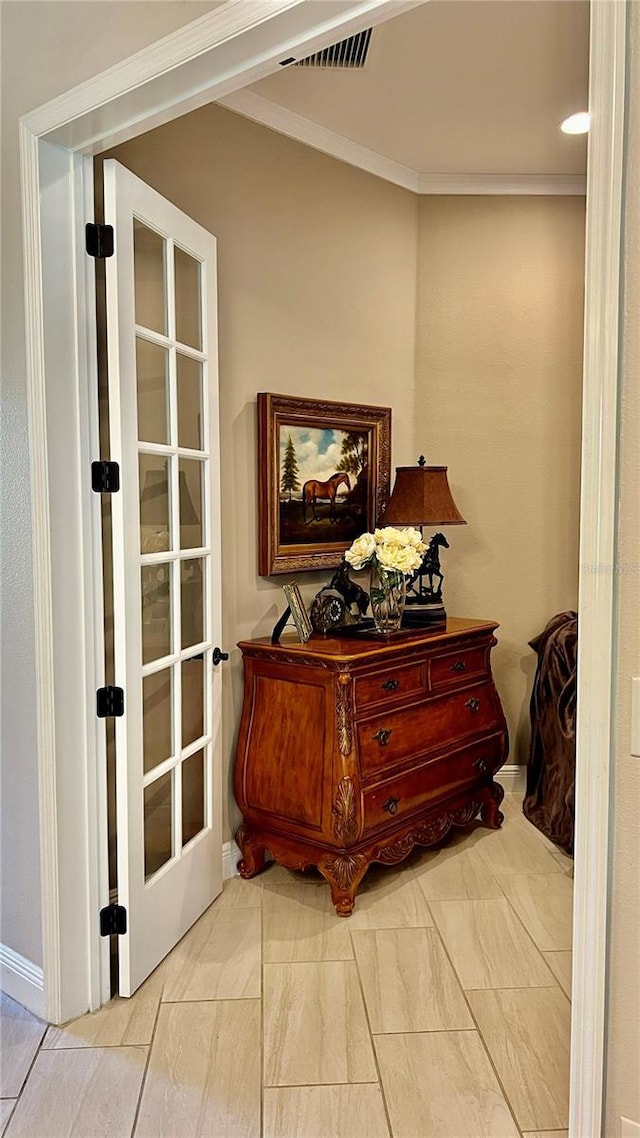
(390, 549)
(392, 554)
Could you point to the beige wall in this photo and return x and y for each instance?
(317, 272)
(47, 47)
(498, 390)
(623, 1044)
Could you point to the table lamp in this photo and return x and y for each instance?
(420, 497)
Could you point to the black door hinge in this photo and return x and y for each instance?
(113, 920)
(105, 477)
(110, 703)
(99, 240)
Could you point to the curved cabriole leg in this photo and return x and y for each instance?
(490, 812)
(253, 853)
(344, 872)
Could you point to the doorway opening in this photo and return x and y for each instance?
(69, 976)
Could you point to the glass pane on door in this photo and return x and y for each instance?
(154, 503)
(192, 699)
(155, 581)
(192, 601)
(158, 828)
(193, 784)
(190, 488)
(157, 719)
(149, 276)
(188, 300)
(152, 374)
(189, 402)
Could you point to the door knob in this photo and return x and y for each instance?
(219, 656)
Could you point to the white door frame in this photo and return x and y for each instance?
(239, 43)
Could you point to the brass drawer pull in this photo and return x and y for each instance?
(382, 736)
(459, 666)
(391, 805)
(473, 704)
(482, 765)
(390, 685)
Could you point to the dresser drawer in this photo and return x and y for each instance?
(452, 668)
(437, 778)
(391, 684)
(391, 738)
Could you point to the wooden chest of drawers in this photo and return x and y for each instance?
(354, 749)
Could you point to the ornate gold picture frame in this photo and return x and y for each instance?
(323, 479)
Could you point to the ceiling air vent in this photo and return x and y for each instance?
(348, 53)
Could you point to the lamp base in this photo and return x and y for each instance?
(419, 616)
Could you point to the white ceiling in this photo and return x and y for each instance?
(451, 87)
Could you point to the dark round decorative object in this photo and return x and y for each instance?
(329, 611)
(340, 604)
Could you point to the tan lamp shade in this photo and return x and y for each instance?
(421, 496)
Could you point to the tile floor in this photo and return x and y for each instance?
(440, 1009)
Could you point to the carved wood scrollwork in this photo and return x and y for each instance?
(465, 814)
(345, 821)
(343, 714)
(345, 868)
(431, 832)
(396, 851)
(426, 834)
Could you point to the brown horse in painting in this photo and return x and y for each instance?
(312, 491)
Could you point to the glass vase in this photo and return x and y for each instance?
(388, 589)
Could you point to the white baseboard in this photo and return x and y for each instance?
(230, 857)
(22, 980)
(513, 778)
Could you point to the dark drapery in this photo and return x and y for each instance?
(549, 801)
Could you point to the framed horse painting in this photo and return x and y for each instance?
(323, 472)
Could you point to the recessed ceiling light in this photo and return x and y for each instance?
(577, 124)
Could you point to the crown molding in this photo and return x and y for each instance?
(550, 184)
(293, 125)
(296, 126)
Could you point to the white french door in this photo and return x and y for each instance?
(163, 423)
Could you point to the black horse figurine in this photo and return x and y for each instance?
(430, 567)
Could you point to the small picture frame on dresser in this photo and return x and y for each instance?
(298, 611)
